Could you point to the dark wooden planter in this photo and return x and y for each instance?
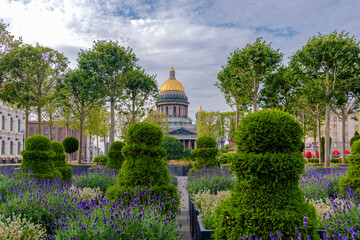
(193, 214)
(202, 232)
(321, 233)
(179, 171)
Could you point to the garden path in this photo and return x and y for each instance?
(184, 215)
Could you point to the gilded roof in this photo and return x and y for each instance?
(172, 84)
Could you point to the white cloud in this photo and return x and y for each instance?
(194, 36)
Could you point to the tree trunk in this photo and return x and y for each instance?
(89, 148)
(343, 155)
(304, 133)
(27, 123)
(67, 130)
(237, 118)
(318, 120)
(104, 145)
(315, 147)
(39, 120)
(255, 97)
(97, 145)
(112, 121)
(327, 126)
(81, 133)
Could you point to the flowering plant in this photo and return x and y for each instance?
(181, 163)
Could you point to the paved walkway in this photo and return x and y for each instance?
(184, 215)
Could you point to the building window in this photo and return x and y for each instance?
(3, 123)
(53, 130)
(334, 118)
(60, 130)
(11, 124)
(167, 111)
(46, 131)
(335, 127)
(3, 147)
(31, 131)
(179, 112)
(19, 148)
(174, 111)
(335, 145)
(19, 125)
(11, 148)
(101, 140)
(59, 139)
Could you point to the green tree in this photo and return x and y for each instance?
(109, 63)
(82, 88)
(159, 119)
(280, 90)
(71, 144)
(246, 70)
(324, 61)
(208, 124)
(140, 91)
(174, 148)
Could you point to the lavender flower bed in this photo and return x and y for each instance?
(210, 179)
(63, 213)
(322, 185)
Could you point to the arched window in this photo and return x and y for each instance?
(3, 123)
(11, 124)
(179, 112)
(3, 147)
(19, 148)
(167, 111)
(19, 125)
(174, 112)
(11, 148)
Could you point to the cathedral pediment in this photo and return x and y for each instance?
(181, 131)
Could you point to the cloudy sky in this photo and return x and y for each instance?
(195, 36)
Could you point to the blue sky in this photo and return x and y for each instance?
(196, 37)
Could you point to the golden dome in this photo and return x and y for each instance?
(154, 108)
(172, 83)
(200, 110)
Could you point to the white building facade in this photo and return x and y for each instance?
(12, 132)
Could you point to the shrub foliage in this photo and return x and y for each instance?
(71, 144)
(352, 178)
(205, 152)
(115, 158)
(174, 148)
(38, 158)
(59, 161)
(101, 160)
(145, 164)
(267, 197)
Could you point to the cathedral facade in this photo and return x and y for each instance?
(174, 103)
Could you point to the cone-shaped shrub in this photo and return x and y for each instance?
(354, 138)
(115, 156)
(267, 197)
(352, 178)
(205, 152)
(38, 158)
(145, 164)
(59, 161)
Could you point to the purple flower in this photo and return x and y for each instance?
(305, 222)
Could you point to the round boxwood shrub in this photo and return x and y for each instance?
(267, 197)
(38, 158)
(354, 138)
(60, 162)
(174, 148)
(145, 133)
(226, 158)
(144, 165)
(205, 153)
(101, 160)
(115, 158)
(352, 177)
(71, 144)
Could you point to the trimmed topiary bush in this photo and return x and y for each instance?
(226, 158)
(354, 138)
(115, 158)
(71, 144)
(38, 158)
(205, 153)
(101, 160)
(144, 165)
(267, 197)
(352, 178)
(174, 148)
(59, 161)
